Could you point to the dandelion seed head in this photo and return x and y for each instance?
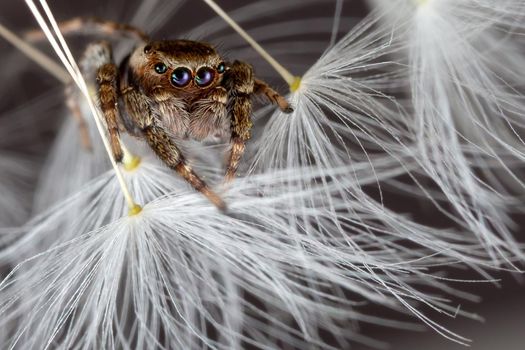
(228, 272)
(462, 114)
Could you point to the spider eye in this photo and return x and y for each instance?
(160, 68)
(204, 76)
(221, 68)
(181, 77)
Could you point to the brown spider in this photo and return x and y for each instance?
(173, 88)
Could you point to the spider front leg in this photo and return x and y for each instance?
(107, 77)
(168, 152)
(85, 25)
(163, 145)
(273, 96)
(239, 81)
(241, 84)
(95, 56)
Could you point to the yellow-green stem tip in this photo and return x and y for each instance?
(296, 84)
(135, 210)
(132, 163)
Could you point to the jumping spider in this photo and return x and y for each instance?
(173, 88)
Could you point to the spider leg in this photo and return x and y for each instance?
(168, 152)
(107, 77)
(74, 107)
(238, 145)
(273, 96)
(82, 24)
(239, 82)
(164, 146)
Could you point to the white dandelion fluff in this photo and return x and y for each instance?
(342, 119)
(169, 279)
(467, 111)
(15, 185)
(89, 208)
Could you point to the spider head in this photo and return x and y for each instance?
(180, 67)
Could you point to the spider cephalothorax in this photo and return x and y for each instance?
(175, 89)
(182, 81)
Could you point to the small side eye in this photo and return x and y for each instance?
(160, 68)
(147, 48)
(204, 76)
(221, 68)
(181, 77)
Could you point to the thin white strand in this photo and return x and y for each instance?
(337, 21)
(283, 72)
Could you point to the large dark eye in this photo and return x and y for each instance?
(181, 77)
(221, 68)
(160, 68)
(204, 76)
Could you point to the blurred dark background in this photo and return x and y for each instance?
(502, 306)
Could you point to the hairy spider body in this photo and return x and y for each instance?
(191, 111)
(169, 90)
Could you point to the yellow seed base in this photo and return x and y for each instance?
(132, 163)
(420, 2)
(296, 84)
(135, 210)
